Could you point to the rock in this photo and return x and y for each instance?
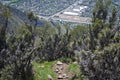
(67, 76)
(61, 68)
(60, 77)
(59, 72)
(57, 67)
(59, 63)
(56, 70)
(64, 75)
(50, 77)
(75, 62)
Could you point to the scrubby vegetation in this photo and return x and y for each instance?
(99, 60)
(25, 50)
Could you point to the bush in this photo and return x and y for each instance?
(99, 59)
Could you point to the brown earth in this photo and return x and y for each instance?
(61, 70)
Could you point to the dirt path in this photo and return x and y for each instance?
(61, 70)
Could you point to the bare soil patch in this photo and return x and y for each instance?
(61, 70)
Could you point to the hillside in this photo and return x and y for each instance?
(14, 20)
(17, 18)
(32, 49)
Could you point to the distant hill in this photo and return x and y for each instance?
(17, 18)
(22, 16)
(14, 20)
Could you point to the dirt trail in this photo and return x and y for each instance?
(61, 70)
